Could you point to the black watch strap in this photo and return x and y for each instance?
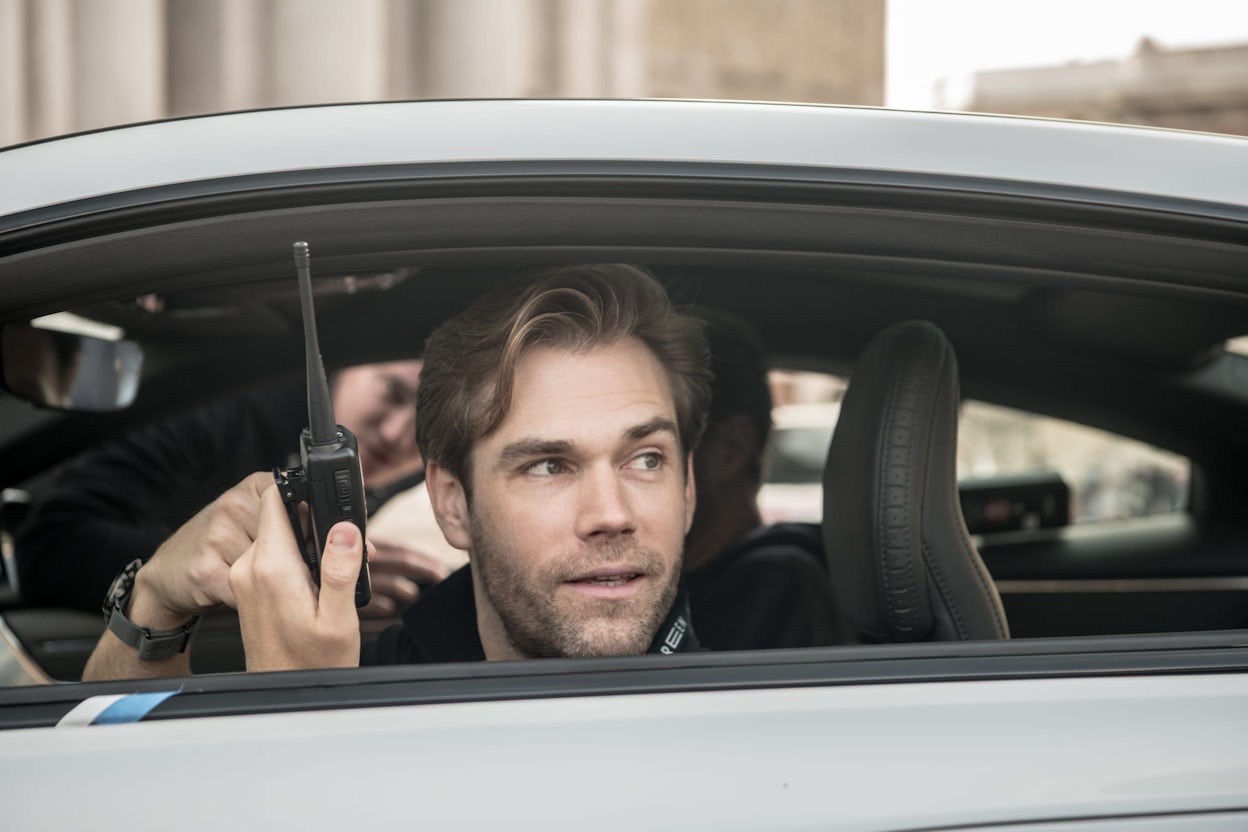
(152, 645)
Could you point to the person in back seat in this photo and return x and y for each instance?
(120, 500)
(751, 585)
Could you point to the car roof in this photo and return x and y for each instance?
(1132, 160)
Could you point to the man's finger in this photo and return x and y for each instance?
(257, 483)
(340, 567)
(276, 561)
(251, 490)
(402, 589)
(275, 522)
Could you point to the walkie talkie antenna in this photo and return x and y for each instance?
(330, 480)
(320, 410)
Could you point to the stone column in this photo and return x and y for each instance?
(580, 49)
(118, 73)
(49, 67)
(242, 52)
(13, 127)
(215, 49)
(478, 49)
(327, 51)
(403, 22)
(628, 54)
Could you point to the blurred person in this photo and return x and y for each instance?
(408, 517)
(751, 585)
(558, 421)
(122, 500)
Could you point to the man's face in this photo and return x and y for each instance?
(580, 503)
(377, 402)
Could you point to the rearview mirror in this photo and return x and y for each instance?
(68, 371)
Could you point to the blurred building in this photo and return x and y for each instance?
(773, 50)
(1192, 89)
(69, 65)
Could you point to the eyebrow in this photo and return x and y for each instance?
(529, 448)
(659, 424)
(523, 449)
(407, 390)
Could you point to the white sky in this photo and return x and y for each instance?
(932, 39)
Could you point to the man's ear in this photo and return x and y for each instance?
(691, 493)
(450, 505)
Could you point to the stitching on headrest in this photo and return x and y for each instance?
(906, 388)
(943, 586)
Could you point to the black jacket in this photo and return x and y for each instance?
(769, 589)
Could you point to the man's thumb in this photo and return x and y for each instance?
(340, 567)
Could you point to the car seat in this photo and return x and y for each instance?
(901, 562)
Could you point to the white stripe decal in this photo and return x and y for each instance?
(87, 710)
(114, 710)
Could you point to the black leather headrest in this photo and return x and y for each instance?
(900, 559)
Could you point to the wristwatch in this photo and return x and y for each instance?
(152, 645)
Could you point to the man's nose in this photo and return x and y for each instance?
(605, 507)
(399, 427)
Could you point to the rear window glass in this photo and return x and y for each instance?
(1108, 476)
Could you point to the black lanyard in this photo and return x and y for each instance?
(676, 633)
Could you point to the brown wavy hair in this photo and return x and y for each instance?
(470, 360)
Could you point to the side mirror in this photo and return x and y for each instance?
(68, 371)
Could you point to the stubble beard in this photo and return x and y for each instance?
(539, 626)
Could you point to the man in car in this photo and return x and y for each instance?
(557, 421)
(751, 585)
(119, 502)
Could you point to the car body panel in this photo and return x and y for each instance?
(869, 757)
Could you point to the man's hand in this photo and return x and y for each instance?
(188, 575)
(190, 570)
(287, 623)
(398, 573)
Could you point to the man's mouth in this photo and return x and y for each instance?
(377, 455)
(375, 461)
(616, 582)
(610, 580)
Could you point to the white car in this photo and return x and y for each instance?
(1089, 272)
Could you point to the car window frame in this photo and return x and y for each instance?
(639, 187)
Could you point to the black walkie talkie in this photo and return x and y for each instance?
(330, 480)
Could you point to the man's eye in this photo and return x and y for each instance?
(647, 462)
(545, 468)
(395, 393)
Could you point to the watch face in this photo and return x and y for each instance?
(121, 586)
